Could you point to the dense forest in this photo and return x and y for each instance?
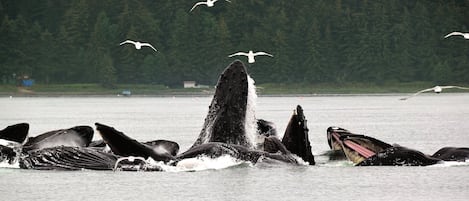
(313, 41)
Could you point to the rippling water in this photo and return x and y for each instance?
(425, 123)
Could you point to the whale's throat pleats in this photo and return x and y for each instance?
(230, 118)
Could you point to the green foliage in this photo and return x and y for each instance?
(107, 74)
(313, 42)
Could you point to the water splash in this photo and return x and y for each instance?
(451, 164)
(204, 163)
(187, 165)
(6, 164)
(250, 125)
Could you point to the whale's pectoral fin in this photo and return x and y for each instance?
(296, 138)
(16, 133)
(123, 145)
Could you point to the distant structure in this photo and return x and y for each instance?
(193, 84)
(189, 84)
(24, 81)
(126, 93)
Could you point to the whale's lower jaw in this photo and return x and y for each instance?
(229, 117)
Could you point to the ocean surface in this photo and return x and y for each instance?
(426, 123)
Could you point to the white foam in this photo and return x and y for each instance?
(250, 125)
(451, 163)
(200, 164)
(5, 164)
(9, 143)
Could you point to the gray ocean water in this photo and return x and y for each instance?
(425, 123)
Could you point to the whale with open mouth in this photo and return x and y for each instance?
(11, 140)
(15, 146)
(363, 150)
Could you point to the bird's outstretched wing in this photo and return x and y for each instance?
(149, 45)
(454, 34)
(195, 5)
(457, 87)
(419, 92)
(263, 53)
(127, 41)
(238, 54)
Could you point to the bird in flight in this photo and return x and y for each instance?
(138, 45)
(251, 55)
(465, 35)
(208, 3)
(436, 89)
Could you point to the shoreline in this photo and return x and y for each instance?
(169, 95)
(263, 90)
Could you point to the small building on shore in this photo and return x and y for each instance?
(193, 84)
(190, 84)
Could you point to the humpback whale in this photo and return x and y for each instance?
(452, 154)
(230, 118)
(164, 146)
(399, 156)
(354, 146)
(363, 150)
(123, 145)
(18, 150)
(78, 136)
(231, 128)
(266, 128)
(15, 133)
(296, 138)
(11, 139)
(68, 158)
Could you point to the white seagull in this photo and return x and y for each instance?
(138, 45)
(208, 3)
(251, 55)
(465, 35)
(436, 89)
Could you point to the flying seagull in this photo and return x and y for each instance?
(436, 89)
(208, 3)
(465, 35)
(138, 45)
(251, 55)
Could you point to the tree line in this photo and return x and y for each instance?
(320, 41)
